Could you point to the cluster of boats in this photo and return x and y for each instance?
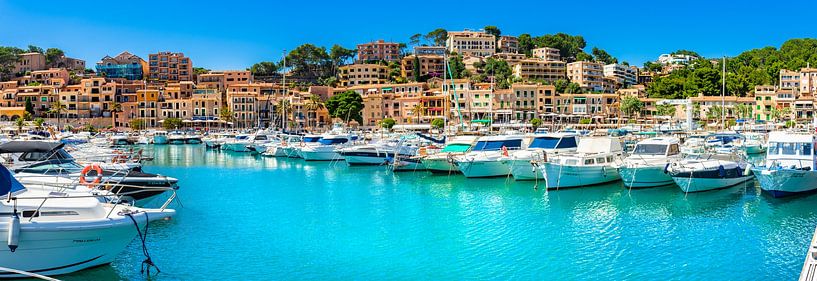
(75, 204)
(566, 159)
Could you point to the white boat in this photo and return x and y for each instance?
(646, 165)
(709, 172)
(442, 161)
(160, 137)
(594, 162)
(694, 145)
(238, 144)
(485, 157)
(378, 153)
(754, 143)
(176, 138)
(57, 233)
(789, 168)
(326, 148)
(520, 162)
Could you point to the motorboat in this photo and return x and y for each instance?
(485, 157)
(646, 165)
(753, 143)
(121, 139)
(789, 168)
(53, 233)
(594, 162)
(160, 137)
(709, 172)
(378, 153)
(326, 148)
(293, 150)
(442, 160)
(694, 145)
(723, 142)
(176, 137)
(41, 163)
(520, 162)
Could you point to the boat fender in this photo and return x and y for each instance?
(14, 232)
(747, 170)
(721, 171)
(666, 168)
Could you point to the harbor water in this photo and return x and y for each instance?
(246, 217)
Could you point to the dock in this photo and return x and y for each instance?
(809, 271)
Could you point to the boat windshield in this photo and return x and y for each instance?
(790, 148)
(497, 145)
(544, 142)
(456, 147)
(41, 156)
(650, 149)
(51, 166)
(242, 137)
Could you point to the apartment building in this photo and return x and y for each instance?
(535, 69)
(148, 106)
(169, 67)
(30, 62)
(176, 108)
(41, 97)
(589, 75)
(508, 44)
(511, 58)
(125, 65)
(429, 66)
(675, 59)
(808, 80)
(54, 76)
(362, 74)
(528, 101)
(623, 75)
(378, 51)
(206, 104)
(546, 53)
(589, 105)
(216, 81)
(789, 79)
(471, 43)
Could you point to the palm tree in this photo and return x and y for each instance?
(225, 114)
(283, 107)
(20, 122)
(418, 110)
(57, 108)
(115, 107)
(313, 104)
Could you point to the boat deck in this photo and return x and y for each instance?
(809, 271)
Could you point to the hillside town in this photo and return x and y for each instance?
(466, 76)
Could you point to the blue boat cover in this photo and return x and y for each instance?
(7, 182)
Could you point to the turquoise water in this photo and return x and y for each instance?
(248, 217)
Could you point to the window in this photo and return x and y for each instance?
(588, 161)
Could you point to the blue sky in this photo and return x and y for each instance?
(235, 34)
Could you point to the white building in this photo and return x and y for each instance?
(622, 74)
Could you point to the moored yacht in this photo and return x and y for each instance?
(520, 162)
(326, 148)
(709, 172)
(646, 165)
(442, 161)
(52, 233)
(790, 165)
(160, 137)
(594, 162)
(485, 157)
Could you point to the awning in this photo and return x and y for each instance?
(29, 146)
(483, 121)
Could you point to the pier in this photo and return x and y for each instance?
(809, 271)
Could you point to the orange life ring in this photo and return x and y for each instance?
(504, 151)
(422, 151)
(85, 171)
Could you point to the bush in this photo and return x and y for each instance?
(536, 122)
(585, 121)
(438, 123)
(387, 123)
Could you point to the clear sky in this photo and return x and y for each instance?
(225, 35)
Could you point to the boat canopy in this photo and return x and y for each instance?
(484, 145)
(29, 146)
(331, 141)
(599, 145)
(550, 142)
(8, 184)
(312, 138)
(456, 147)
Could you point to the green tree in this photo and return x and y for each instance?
(418, 110)
(653, 66)
(52, 55)
(90, 128)
(414, 40)
(137, 124)
(114, 109)
(665, 110)
(536, 122)
(8, 60)
(340, 56)
(416, 69)
(38, 123)
(585, 121)
(313, 105)
(603, 56)
(569, 46)
(225, 114)
(27, 116)
(29, 106)
(387, 123)
(526, 44)
(309, 61)
(172, 123)
(438, 123)
(437, 36)
(582, 56)
(264, 68)
(346, 105)
(457, 67)
(57, 108)
(35, 49)
(20, 123)
(500, 70)
(630, 105)
(200, 70)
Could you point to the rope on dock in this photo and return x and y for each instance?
(28, 274)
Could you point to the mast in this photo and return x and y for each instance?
(723, 94)
(284, 91)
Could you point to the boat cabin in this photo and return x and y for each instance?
(791, 150)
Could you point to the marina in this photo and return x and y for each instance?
(334, 221)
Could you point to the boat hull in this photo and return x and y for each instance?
(565, 176)
(313, 155)
(645, 176)
(523, 170)
(54, 248)
(482, 169)
(785, 182)
(440, 165)
(159, 139)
